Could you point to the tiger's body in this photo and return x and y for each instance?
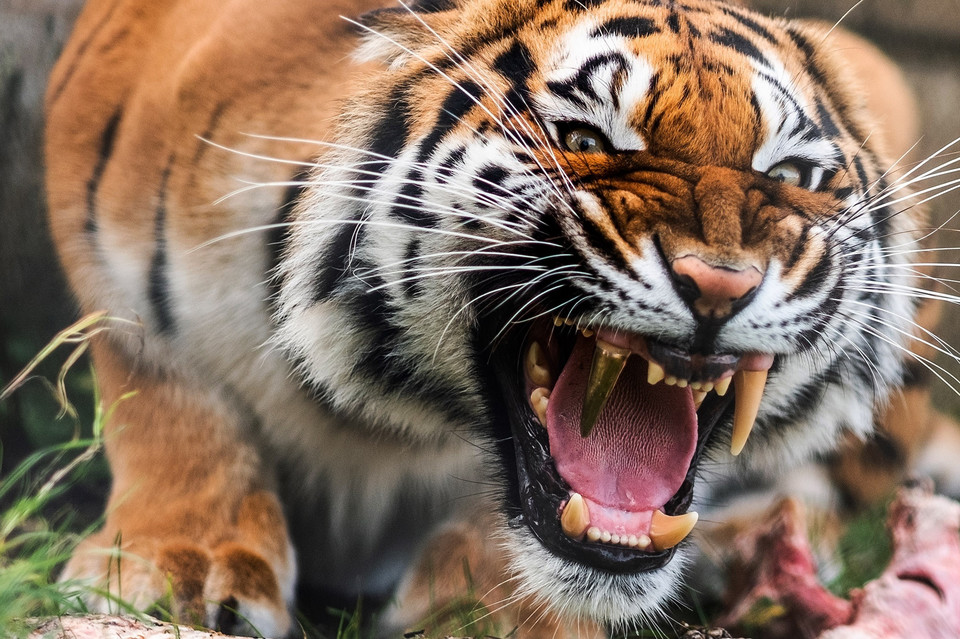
(336, 263)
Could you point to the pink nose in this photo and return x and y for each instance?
(713, 291)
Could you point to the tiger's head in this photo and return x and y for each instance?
(610, 238)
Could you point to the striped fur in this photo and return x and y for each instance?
(325, 257)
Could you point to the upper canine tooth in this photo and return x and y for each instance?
(537, 367)
(667, 531)
(608, 363)
(655, 373)
(575, 518)
(723, 386)
(749, 390)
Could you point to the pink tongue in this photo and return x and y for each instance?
(640, 450)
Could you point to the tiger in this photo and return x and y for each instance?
(461, 296)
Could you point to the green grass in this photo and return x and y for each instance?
(38, 526)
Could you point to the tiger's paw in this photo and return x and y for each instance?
(229, 588)
(243, 585)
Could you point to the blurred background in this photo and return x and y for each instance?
(923, 36)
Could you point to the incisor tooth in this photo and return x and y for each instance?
(723, 386)
(537, 366)
(539, 400)
(655, 373)
(643, 542)
(670, 380)
(608, 363)
(666, 531)
(749, 390)
(593, 533)
(586, 332)
(575, 518)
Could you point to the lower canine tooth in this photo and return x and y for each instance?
(608, 363)
(749, 390)
(575, 518)
(666, 531)
(539, 400)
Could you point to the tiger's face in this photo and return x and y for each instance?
(610, 240)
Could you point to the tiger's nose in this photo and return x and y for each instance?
(714, 292)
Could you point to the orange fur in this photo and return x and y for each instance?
(193, 505)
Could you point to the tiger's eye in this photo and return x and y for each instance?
(584, 140)
(789, 173)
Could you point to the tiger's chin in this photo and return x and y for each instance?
(608, 430)
(622, 600)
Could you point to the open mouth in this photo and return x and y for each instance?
(609, 429)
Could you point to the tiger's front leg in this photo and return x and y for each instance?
(190, 522)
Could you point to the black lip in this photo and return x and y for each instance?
(538, 490)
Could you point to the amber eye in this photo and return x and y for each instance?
(582, 139)
(799, 173)
(787, 172)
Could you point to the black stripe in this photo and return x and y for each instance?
(409, 205)
(336, 257)
(391, 132)
(737, 42)
(750, 23)
(107, 141)
(516, 65)
(412, 287)
(158, 285)
(456, 105)
(826, 121)
(673, 21)
(81, 50)
(203, 144)
(278, 236)
(628, 27)
(815, 279)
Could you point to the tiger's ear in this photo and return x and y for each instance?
(388, 35)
